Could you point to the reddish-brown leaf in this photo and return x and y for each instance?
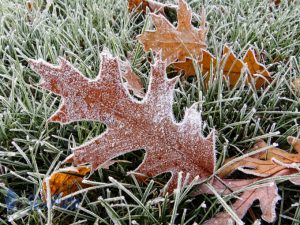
(131, 125)
(272, 163)
(231, 67)
(267, 196)
(176, 43)
(29, 5)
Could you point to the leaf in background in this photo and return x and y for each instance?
(274, 162)
(230, 66)
(141, 5)
(176, 43)
(65, 181)
(131, 125)
(134, 82)
(207, 60)
(255, 68)
(267, 196)
(267, 163)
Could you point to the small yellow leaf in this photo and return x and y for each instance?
(65, 181)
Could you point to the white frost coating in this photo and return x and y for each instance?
(68, 169)
(287, 165)
(203, 205)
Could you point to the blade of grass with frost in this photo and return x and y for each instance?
(177, 197)
(111, 212)
(225, 205)
(119, 185)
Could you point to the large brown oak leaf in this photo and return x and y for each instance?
(131, 125)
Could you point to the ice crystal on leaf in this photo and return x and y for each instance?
(148, 124)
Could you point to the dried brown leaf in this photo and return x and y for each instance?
(175, 43)
(29, 5)
(272, 163)
(134, 82)
(267, 163)
(142, 5)
(296, 85)
(267, 196)
(131, 125)
(230, 65)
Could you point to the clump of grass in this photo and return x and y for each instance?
(31, 148)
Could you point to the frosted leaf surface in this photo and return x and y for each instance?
(148, 124)
(176, 43)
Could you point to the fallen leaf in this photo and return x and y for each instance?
(176, 43)
(207, 60)
(131, 125)
(267, 196)
(267, 163)
(231, 67)
(257, 70)
(276, 2)
(137, 4)
(29, 5)
(65, 181)
(274, 162)
(142, 5)
(266, 193)
(134, 82)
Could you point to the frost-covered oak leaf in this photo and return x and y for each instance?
(268, 163)
(175, 43)
(131, 125)
(267, 196)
